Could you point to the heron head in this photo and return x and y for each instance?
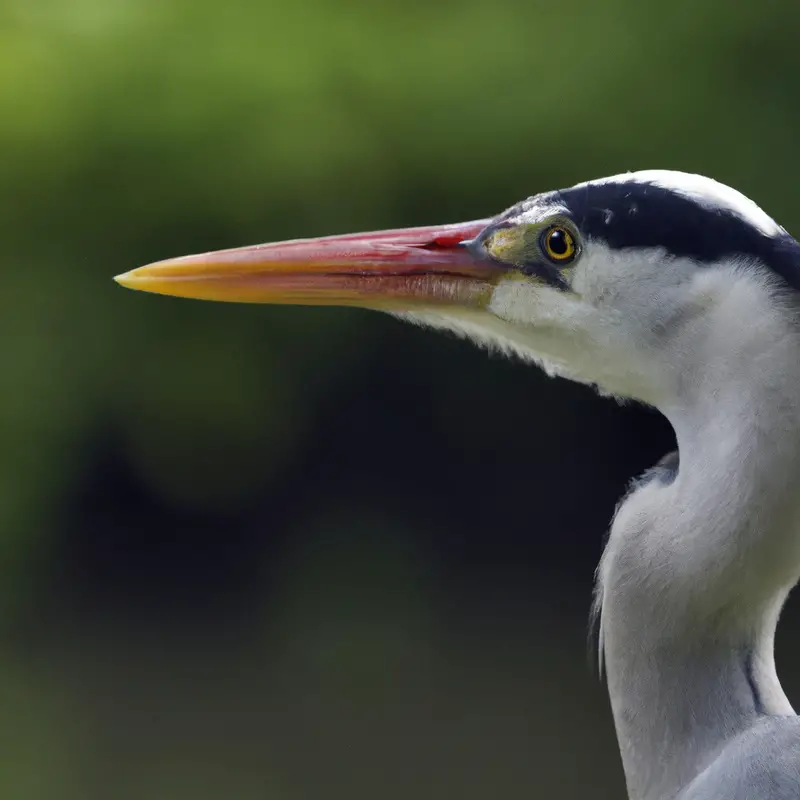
(613, 282)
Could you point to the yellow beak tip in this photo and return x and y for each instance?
(127, 279)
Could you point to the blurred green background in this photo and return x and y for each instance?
(293, 554)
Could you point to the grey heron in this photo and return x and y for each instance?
(665, 288)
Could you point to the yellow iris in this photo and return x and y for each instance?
(558, 244)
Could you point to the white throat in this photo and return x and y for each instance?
(696, 570)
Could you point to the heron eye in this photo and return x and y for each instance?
(558, 244)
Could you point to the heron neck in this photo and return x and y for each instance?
(697, 568)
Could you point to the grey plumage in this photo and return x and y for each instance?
(762, 762)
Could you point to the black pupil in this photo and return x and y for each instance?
(557, 242)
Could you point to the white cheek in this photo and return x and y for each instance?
(571, 337)
(517, 300)
(611, 328)
(642, 291)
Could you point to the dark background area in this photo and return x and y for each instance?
(253, 552)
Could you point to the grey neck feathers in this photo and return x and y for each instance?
(697, 568)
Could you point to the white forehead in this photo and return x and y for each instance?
(705, 191)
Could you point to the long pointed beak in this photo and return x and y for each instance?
(392, 269)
